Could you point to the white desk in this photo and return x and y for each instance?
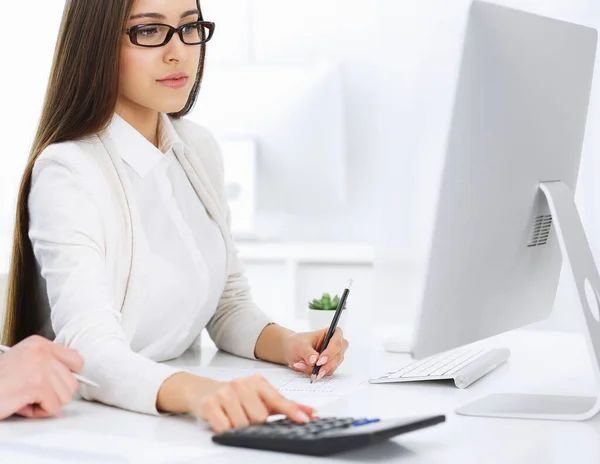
(540, 362)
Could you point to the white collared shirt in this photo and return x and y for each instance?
(130, 266)
(188, 272)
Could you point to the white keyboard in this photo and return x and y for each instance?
(464, 366)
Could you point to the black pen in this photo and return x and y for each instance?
(332, 327)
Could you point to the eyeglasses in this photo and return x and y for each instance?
(158, 35)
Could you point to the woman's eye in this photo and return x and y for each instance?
(147, 31)
(188, 29)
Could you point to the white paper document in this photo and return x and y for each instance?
(289, 382)
(72, 446)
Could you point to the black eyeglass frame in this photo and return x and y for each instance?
(132, 31)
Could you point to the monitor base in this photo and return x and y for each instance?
(576, 251)
(525, 406)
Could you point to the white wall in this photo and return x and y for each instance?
(285, 32)
(399, 60)
(24, 68)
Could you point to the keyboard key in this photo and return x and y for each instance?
(449, 365)
(433, 363)
(465, 358)
(458, 367)
(402, 371)
(416, 367)
(445, 362)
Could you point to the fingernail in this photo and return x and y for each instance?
(312, 359)
(322, 361)
(300, 365)
(302, 417)
(322, 373)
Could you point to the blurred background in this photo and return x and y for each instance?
(332, 116)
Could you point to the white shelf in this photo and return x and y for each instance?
(307, 252)
(284, 274)
(298, 252)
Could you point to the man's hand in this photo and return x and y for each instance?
(36, 378)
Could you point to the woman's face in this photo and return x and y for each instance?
(143, 70)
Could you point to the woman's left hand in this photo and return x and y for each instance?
(301, 351)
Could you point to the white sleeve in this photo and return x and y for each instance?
(67, 236)
(238, 321)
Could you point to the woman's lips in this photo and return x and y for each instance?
(174, 83)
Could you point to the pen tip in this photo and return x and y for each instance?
(349, 284)
(312, 378)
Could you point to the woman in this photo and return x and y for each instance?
(122, 248)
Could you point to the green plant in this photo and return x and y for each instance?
(326, 303)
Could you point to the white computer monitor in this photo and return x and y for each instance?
(506, 214)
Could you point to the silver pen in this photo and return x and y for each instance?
(5, 349)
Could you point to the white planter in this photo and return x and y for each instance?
(320, 319)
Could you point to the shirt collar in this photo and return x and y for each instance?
(168, 138)
(138, 152)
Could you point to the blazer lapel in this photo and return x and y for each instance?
(191, 164)
(135, 268)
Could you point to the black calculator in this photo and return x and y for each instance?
(323, 436)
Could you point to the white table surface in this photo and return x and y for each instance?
(541, 362)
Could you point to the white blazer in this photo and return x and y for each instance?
(98, 314)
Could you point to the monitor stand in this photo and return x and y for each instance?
(575, 248)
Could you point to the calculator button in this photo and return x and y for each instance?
(305, 436)
(365, 422)
(252, 429)
(284, 433)
(261, 432)
(286, 429)
(281, 422)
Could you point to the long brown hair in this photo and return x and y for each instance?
(80, 101)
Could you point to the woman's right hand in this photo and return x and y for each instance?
(245, 401)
